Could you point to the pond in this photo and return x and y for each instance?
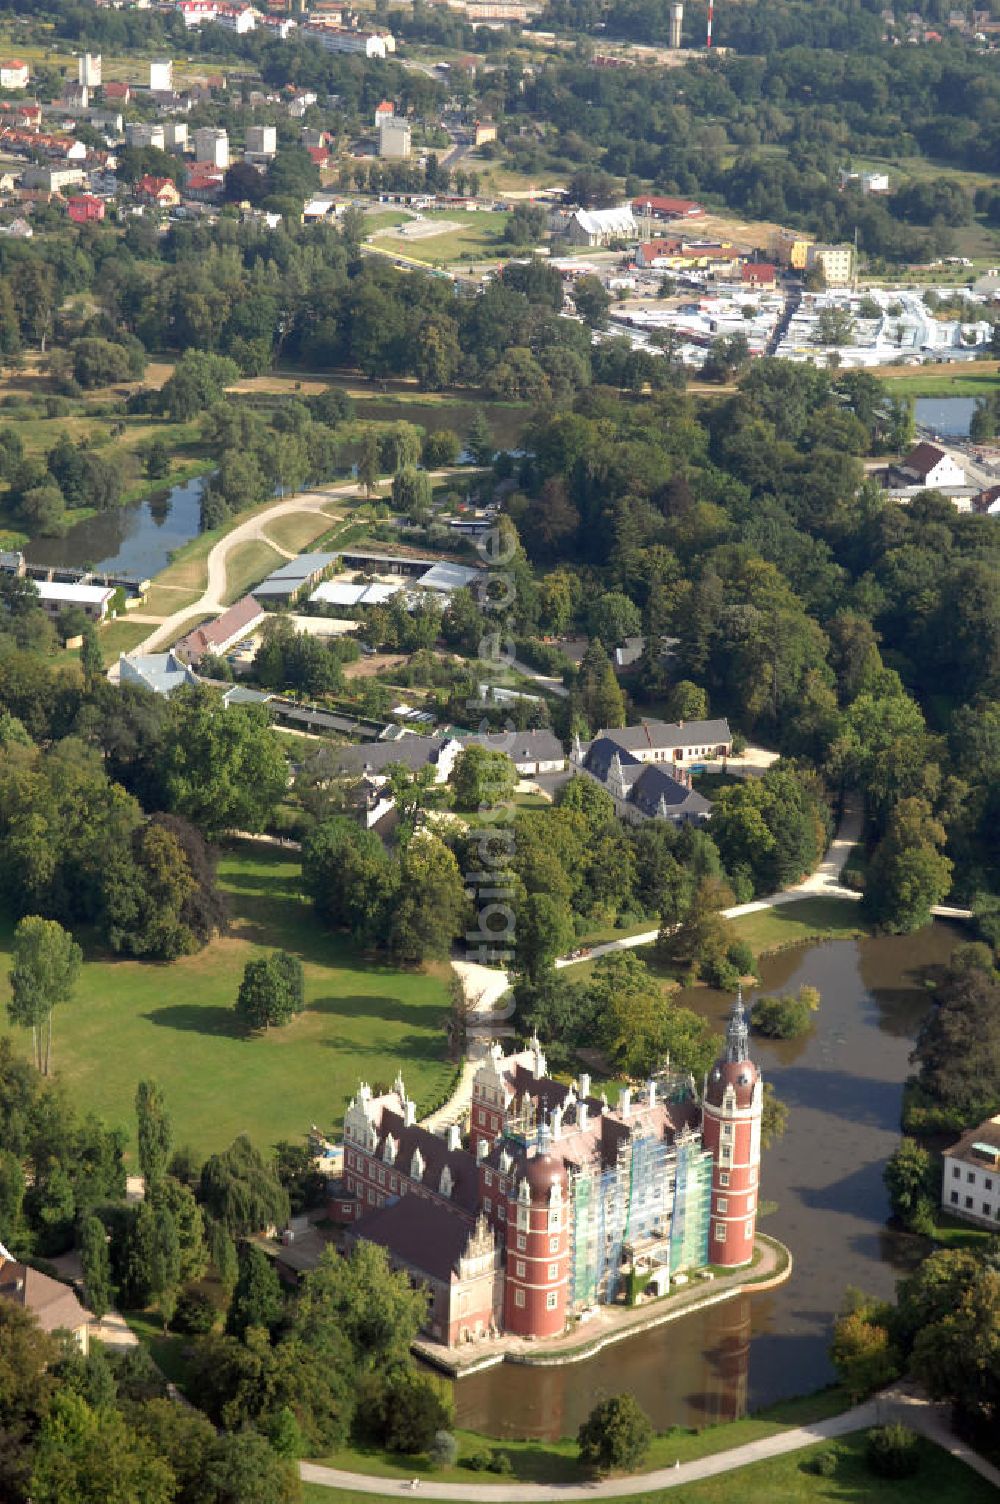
(137, 539)
(842, 1084)
(948, 416)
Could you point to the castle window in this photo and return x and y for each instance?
(519, 1298)
(553, 1245)
(488, 1205)
(968, 1203)
(954, 1197)
(956, 1172)
(722, 1206)
(749, 1203)
(522, 1242)
(987, 1209)
(501, 1211)
(971, 1177)
(988, 1183)
(748, 1230)
(489, 1177)
(519, 1269)
(720, 1232)
(723, 1178)
(551, 1300)
(554, 1221)
(553, 1271)
(727, 1130)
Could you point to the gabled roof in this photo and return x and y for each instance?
(666, 734)
(428, 1236)
(436, 1156)
(53, 1304)
(923, 459)
(655, 787)
(207, 639)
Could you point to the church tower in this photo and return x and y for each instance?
(731, 1114)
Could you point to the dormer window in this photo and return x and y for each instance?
(446, 1182)
(417, 1166)
(390, 1150)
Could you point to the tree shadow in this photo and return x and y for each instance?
(368, 1005)
(197, 1018)
(411, 1047)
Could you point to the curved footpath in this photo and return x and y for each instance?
(253, 529)
(892, 1405)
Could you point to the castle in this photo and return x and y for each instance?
(561, 1202)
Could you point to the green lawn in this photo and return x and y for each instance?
(478, 232)
(247, 565)
(297, 530)
(950, 1232)
(959, 381)
(557, 1462)
(805, 919)
(122, 636)
(786, 1480)
(132, 1019)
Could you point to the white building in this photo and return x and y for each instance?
(212, 146)
(175, 135)
(143, 133)
(161, 76)
(970, 1183)
(51, 178)
(394, 138)
(93, 600)
(240, 19)
(14, 74)
(601, 226)
(195, 12)
(934, 468)
(836, 262)
(262, 140)
(343, 39)
(88, 70)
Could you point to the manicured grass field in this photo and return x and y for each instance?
(783, 1480)
(121, 637)
(479, 232)
(980, 380)
(805, 919)
(297, 530)
(247, 565)
(132, 1019)
(557, 1461)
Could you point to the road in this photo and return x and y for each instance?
(901, 1404)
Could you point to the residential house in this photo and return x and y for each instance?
(384, 110)
(682, 255)
(145, 133)
(931, 467)
(196, 12)
(14, 74)
(531, 752)
(53, 1304)
(758, 274)
(161, 673)
(343, 39)
(204, 184)
(970, 1180)
(85, 209)
(241, 620)
(601, 226)
(117, 93)
(240, 19)
(160, 191)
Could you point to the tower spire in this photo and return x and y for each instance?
(738, 1032)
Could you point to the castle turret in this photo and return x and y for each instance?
(537, 1270)
(732, 1107)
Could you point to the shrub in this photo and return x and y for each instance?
(480, 1461)
(785, 1017)
(824, 1464)
(892, 1451)
(443, 1449)
(195, 1314)
(500, 1463)
(740, 955)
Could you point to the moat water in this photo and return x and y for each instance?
(136, 539)
(842, 1085)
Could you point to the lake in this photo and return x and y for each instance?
(842, 1084)
(136, 539)
(948, 416)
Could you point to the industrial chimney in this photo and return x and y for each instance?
(676, 22)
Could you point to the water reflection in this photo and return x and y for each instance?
(843, 1085)
(137, 539)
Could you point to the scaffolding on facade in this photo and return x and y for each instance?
(690, 1215)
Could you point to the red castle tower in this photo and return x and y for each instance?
(537, 1271)
(732, 1107)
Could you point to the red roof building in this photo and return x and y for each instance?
(758, 274)
(120, 93)
(220, 635)
(319, 155)
(85, 209)
(162, 191)
(667, 208)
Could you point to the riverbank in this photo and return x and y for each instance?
(771, 1265)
